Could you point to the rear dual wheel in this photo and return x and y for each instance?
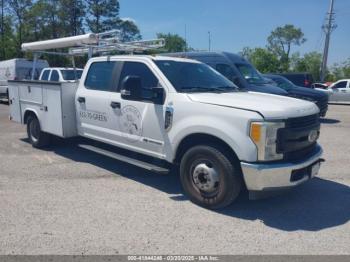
(209, 177)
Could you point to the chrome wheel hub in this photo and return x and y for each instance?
(205, 177)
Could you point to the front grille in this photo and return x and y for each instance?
(293, 140)
(304, 121)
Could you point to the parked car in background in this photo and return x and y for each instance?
(318, 97)
(61, 74)
(299, 79)
(236, 69)
(338, 91)
(18, 69)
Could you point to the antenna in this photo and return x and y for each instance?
(328, 28)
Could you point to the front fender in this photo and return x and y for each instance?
(234, 135)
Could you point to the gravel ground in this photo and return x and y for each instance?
(66, 200)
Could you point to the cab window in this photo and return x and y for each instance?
(45, 75)
(341, 84)
(148, 79)
(54, 76)
(101, 76)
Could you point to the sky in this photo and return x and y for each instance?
(235, 24)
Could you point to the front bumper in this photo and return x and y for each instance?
(277, 176)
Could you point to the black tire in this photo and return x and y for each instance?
(36, 137)
(228, 185)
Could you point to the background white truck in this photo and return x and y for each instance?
(173, 112)
(338, 91)
(60, 74)
(18, 69)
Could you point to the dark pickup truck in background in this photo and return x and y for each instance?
(318, 97)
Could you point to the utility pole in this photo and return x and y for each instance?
(209, 39)
(328, 28)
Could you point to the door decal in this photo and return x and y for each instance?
(131, 123)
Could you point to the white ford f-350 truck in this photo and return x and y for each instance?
(179, 112)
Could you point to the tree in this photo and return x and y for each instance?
(264, 60)
(102, 15)
(173, 42)
(310, 62)
(340, 71)
(281, 40)
(71, 15)
(129, 30)
(8, 42)
(19, 8)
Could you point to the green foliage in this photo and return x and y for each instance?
(7, 43)
(173, 42)
(103, 15)
(339, 71)
(281, 40)
(310, 62)
(129, 30)
(34, 20)
(264, 60)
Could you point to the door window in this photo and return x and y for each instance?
(45, 75)
(148, 79)
(101, 76)
(341, 84)
(54, 76)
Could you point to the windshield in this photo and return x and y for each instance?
(68, 74)
(251, 74)
(283, 83)
(194, 77)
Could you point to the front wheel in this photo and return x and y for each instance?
(36, 137)
(209, 177)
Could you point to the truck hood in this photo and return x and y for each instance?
(270, 106)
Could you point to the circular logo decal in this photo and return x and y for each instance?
(131, 123)
(313, 135)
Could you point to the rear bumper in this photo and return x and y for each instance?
(279, 176)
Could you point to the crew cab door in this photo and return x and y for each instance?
(93, 102)
(142, 121)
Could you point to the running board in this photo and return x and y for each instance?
(123, 158)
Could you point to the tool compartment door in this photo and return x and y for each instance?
(51, 109)
(15, 109)
(31, 92)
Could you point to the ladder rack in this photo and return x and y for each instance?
(90, 44)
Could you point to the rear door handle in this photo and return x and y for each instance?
(81, 100)
(115, 105)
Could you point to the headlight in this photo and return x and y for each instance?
(264, 136)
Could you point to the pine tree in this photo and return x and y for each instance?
(102, 15)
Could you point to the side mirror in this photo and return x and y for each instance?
(131, 88)
(158, 95)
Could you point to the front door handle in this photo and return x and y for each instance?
(81, 100)
(115, 105)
